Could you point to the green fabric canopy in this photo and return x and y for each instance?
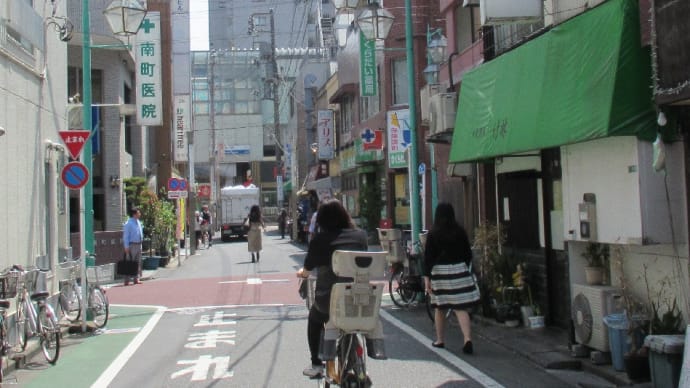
(584, 79)
(287, 186)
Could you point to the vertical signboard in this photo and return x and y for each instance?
(325, 133)
(368, 80)
(181, 127)
(148, 69)
(181, 46)
(399, 137)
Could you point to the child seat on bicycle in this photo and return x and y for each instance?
(355, 303)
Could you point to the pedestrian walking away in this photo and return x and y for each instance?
(256, 223)
(197, 229)
(132, 236)
(282, 222)
(447, 276)
(337, 231)
(206, 224)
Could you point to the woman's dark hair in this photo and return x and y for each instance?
(133, 211)
(255, 214)
(333, 216)
(444, 219)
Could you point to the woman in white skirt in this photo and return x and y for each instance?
(256, 223)
(447, 276)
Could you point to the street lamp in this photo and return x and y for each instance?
(124, 16)
(375, 22)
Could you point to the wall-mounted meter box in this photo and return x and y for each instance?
(588, 217)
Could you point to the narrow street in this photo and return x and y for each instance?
(220, 319)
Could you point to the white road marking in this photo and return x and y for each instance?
(121, 331)
(109, 374)
(255, 281)
(469, 370)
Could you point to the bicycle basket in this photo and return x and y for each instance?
(31, 279)
(9, 284)
(100, 273)
(69, 270)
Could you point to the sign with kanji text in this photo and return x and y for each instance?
(399, 137)
(326, 134)
(74, 141)
(204, 191)
(368, 77)
(148, 71)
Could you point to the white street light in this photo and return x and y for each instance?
(437, 49)
(125, 16)
(375, 22)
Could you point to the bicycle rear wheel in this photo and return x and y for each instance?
(399, 287)
(50, 333)
(99, 307)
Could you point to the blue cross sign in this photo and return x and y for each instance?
(368, 135)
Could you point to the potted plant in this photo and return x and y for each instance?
(488, 239)
(635, 317)
(597, 256)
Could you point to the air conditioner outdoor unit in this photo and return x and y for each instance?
(589, 307)
(442, 113)
(424, 96)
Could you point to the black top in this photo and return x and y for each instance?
(447, 247)
(319, 256)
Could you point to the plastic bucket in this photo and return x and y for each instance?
(617, 326)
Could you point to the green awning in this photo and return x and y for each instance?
(584, 79)
(287, 186)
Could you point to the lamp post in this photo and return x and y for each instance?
(436, 45)
(131, 14)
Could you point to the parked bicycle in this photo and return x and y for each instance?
(70, 299)
(8, 290)
(354, 316)
(35, 317)
(405, 283)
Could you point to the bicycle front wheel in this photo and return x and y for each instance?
(399, 288)
(99, 306)
(49, 333)
(70, 302)
(21, 326)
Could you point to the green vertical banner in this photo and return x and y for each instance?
(368, 78)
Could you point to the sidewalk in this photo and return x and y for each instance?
(548, 348)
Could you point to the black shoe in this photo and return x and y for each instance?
(438, 345)
(376, 349)
(467, 349)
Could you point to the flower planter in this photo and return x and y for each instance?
(594, 275)
(151, 262)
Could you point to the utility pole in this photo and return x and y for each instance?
(212, 119)
(276, 105)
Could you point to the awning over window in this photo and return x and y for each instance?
(585, 79)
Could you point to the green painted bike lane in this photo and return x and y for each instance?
(94, 359)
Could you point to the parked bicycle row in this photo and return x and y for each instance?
(34, 316)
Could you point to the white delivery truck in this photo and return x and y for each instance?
(235, 202)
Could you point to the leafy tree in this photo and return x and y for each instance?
(370, 205)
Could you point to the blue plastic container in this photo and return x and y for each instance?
(618, 327)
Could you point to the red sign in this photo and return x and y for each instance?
(74, 175)
(75, 141)
(204, 191)
(177, 184)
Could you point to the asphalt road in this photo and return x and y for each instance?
(220, 320)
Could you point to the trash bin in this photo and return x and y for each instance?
(665, 358)
(618, 330)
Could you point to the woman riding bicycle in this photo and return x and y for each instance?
(337, 231)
